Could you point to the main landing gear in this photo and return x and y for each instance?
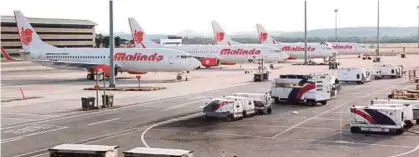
(179, 76)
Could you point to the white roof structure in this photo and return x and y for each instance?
(82, 148)
(11, 19)
(158, 151)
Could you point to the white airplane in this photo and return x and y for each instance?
(131, 60)
(348, 47)
(213, 55)
(294, 50)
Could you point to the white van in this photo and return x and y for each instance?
(157, 152)
(248, 105)
(390, 70)
(83, 150)
(377, 119)
(223, 108)
(358, 75)
(263, 102)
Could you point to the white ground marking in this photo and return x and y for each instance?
(181, 105)
(104, 121)
(164, 122)
(336, 107)
(28, 114)
(8, 140)
(21, 119)
(405, 153)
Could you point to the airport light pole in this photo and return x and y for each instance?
(305, 32)
(111, 46)
(418, 24)
(336, 25)
(378, 31)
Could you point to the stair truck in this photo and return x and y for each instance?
(378, 118)
(223, 108)
(309, 89)
(263, 102)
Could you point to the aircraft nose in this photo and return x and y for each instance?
(284, 56)
(194, 63)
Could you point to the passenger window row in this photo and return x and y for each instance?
(76, 57)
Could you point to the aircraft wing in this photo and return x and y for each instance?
(82, 65)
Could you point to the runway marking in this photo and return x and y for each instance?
(181, 105)
(8, 140)
(164, 122)
(346, 142)
(104, 121)
(28, 114)
(21, 119)
(405, 153)
(318, 115)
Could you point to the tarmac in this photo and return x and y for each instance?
(172, 117)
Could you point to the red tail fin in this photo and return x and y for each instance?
(6, 55)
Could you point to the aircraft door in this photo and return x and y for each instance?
(172, 58)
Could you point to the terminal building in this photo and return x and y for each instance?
(58, 32)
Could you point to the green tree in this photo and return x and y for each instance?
(117, 41)
(106, 41)
(98, 40)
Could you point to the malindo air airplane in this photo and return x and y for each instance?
(294, 50)
(348, 47)
(131, 60)
(213, 55)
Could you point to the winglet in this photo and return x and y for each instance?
(6, 55)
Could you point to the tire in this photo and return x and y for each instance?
(90, 77)
(178, 77)
(229, 118)
(417, 122)
(269, 111)
(311, 103)
(323, 102)
(276, 101)
(245, 114)
(355, 129)
(400, 131)
(408, 125)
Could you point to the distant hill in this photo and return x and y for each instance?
(357, 32)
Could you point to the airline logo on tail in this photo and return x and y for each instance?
(123, 56)
(240, 52)
(139, 37)
(263, 36)
(26, 36)
(220, 36)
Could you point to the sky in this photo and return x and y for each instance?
(174, 16)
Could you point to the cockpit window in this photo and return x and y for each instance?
(185, 56)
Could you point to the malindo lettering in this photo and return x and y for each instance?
(240, 52)
(123, 56)
(342, 47)
(297, 48)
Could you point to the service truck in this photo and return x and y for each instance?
(263, 102)
(309, 89)
(83, 150)
(357, 75)
(413, 103)
(157, 152)
(223, 108)
(248, 105)
(377, 118)
(389, 70)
